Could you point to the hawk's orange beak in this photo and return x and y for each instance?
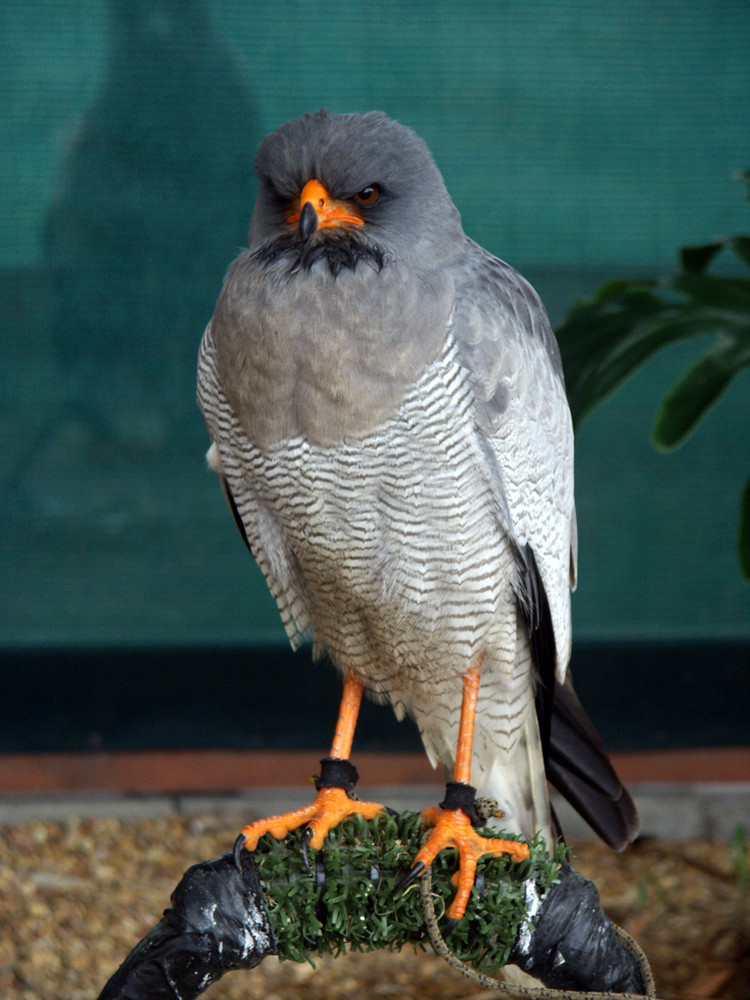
(323, 211)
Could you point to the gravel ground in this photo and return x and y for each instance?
(76, 896)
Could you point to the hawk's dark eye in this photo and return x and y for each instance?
(368, 195)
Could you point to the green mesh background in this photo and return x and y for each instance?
(580, 140)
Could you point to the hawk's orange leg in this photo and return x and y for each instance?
(332, 803)
(453, 827)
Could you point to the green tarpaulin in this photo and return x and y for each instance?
(580, 140)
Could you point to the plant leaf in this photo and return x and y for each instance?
(698, 391)
(605, 340)
(593, 326)
(708, 290)
(628, 356)
(698, 258)
(741, 246)
(600, 342)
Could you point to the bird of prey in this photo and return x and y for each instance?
(387, 414)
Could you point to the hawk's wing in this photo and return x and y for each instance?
(509, 348)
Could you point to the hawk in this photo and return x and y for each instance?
(387, 414)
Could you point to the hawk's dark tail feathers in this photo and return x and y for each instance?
(579, 768)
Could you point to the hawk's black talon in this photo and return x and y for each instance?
(238, 845)
(418, 868)
(479, 883)
(450, 927)
(320, 871)
(307, 836)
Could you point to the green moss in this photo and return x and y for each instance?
(357, 908)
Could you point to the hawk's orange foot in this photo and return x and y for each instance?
(453, 828)
(330, 806)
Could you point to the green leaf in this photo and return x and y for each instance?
(698, 391)
(600, 342)
(743, 539)
(606, 340)
(625, 341)
(741, 246)
(698, 258)
(594, 326)
(725, 295)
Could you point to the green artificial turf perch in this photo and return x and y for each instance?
(347, 900)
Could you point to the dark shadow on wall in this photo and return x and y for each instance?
(154, 202)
